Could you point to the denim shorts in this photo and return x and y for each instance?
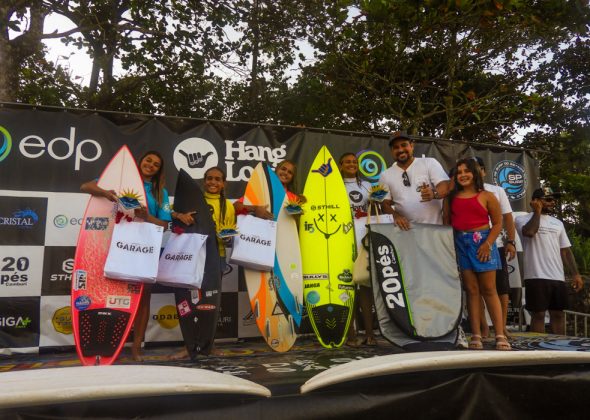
(467, 244)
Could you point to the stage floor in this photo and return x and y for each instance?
(282, 373)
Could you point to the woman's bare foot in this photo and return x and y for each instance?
(137, 355)
(182, 354)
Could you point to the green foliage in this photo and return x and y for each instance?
(581, 251)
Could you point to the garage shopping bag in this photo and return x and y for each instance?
(182, 263)
(134, 252)
(255, 245)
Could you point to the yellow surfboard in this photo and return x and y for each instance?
(326, 235)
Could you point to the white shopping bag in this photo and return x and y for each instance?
(254, 247)
(134, 252)
(182, 263)
(360, 226)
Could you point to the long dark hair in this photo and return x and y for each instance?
(291, 186)
(222, 206)
(472, 167)
(159, 179)
(357, 175)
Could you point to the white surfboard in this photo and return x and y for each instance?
(396, 364)
(92, 383)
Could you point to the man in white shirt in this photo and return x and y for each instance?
(546, 250)
(508, 251)
(416, 185)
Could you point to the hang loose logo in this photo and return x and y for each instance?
(325, 169)
(195, 160)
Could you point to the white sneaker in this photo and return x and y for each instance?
(461, 339)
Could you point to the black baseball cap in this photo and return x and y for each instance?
(545, 192)
(397, 135)
(479, 161)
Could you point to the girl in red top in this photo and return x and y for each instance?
(469, 209)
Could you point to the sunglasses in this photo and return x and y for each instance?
(406, 179)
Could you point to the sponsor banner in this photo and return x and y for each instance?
(21, 269)
(19, 322)
(56, 321)
(22, 220)
(58, 263)
(246, 321)
(227, 323)
(64, 218)
(163, 322)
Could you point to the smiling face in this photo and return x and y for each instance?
(349, 166)
(402, 151)
(285, 171)
(150, 166)
(464, 176)
(214, 181)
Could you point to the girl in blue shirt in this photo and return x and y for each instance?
(151, 169)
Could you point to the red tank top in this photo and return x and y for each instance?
(468, 213)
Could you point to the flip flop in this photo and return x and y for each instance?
(370, 342)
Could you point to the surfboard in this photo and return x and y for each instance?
(326, 235)
(103, 310)
(96, 383)
(397, 364)
(198, 310)
(276, 296)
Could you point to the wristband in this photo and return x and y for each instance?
(511, 242)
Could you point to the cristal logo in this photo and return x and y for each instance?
(6, 144)
(88, 150)
(24, 219)
(15, 321)
(512, 177)
(195, 155)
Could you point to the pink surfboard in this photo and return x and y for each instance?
(103, 310)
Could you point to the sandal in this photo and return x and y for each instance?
(502, 343)
(354, 342)
(370, 342)
(475, 342)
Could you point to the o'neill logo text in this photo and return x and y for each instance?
(5, 144)
(24, 219)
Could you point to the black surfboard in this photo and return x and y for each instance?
(198, 310)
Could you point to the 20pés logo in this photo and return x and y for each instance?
(5, 143)
(195, 155)
(512, 177)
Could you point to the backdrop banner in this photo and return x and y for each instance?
(47, 153)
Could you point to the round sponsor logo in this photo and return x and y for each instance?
(82, 303)
(313, 297)
(371, 164)
(60, 221)
(195, 155)
(167, 317)
(512, 177)
(62, 320)
(5, 143)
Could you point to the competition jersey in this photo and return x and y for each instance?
(542, 257)
(161, 212)
(407, 199)
(358, 195)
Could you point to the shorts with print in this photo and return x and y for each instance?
(467, 244)
(542, 295)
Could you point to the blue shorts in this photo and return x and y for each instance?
(467, 244)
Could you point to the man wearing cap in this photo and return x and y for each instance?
(508, 251)
(546, 250)
(416, 185)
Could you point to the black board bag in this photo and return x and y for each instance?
(198, 310)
